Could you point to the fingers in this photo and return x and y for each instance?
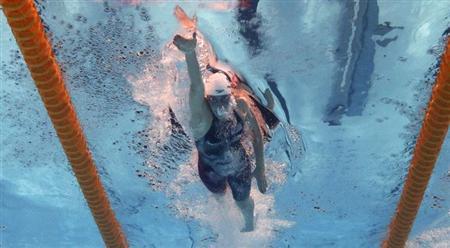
(183, 18)
(176, 12)
(179, 12)
(181, 15)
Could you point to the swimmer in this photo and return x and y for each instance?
(224, 117)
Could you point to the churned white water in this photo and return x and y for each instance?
(335, 171)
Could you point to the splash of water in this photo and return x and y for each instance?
(166, 84)
(220, 213)
(162, 85)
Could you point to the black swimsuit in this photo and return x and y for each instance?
(222, 158)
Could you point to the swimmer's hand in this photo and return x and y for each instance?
(262, 182)
(185, 45)
(185, 21)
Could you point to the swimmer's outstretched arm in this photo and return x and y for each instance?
(258, 144)
(190, 24)
(201, 116)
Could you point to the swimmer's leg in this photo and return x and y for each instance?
(213, 182)
(247, 208)
(240, 185)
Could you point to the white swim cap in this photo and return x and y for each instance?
(217, 84)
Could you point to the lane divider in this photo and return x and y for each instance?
(35, 47)
(428, 146)
(29, 33)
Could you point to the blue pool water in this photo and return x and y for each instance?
(350, 81)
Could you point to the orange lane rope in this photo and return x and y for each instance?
(28, 31)
(428, 146)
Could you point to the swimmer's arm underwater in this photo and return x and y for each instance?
(201, 116)
(258, 144)
(190, 24)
